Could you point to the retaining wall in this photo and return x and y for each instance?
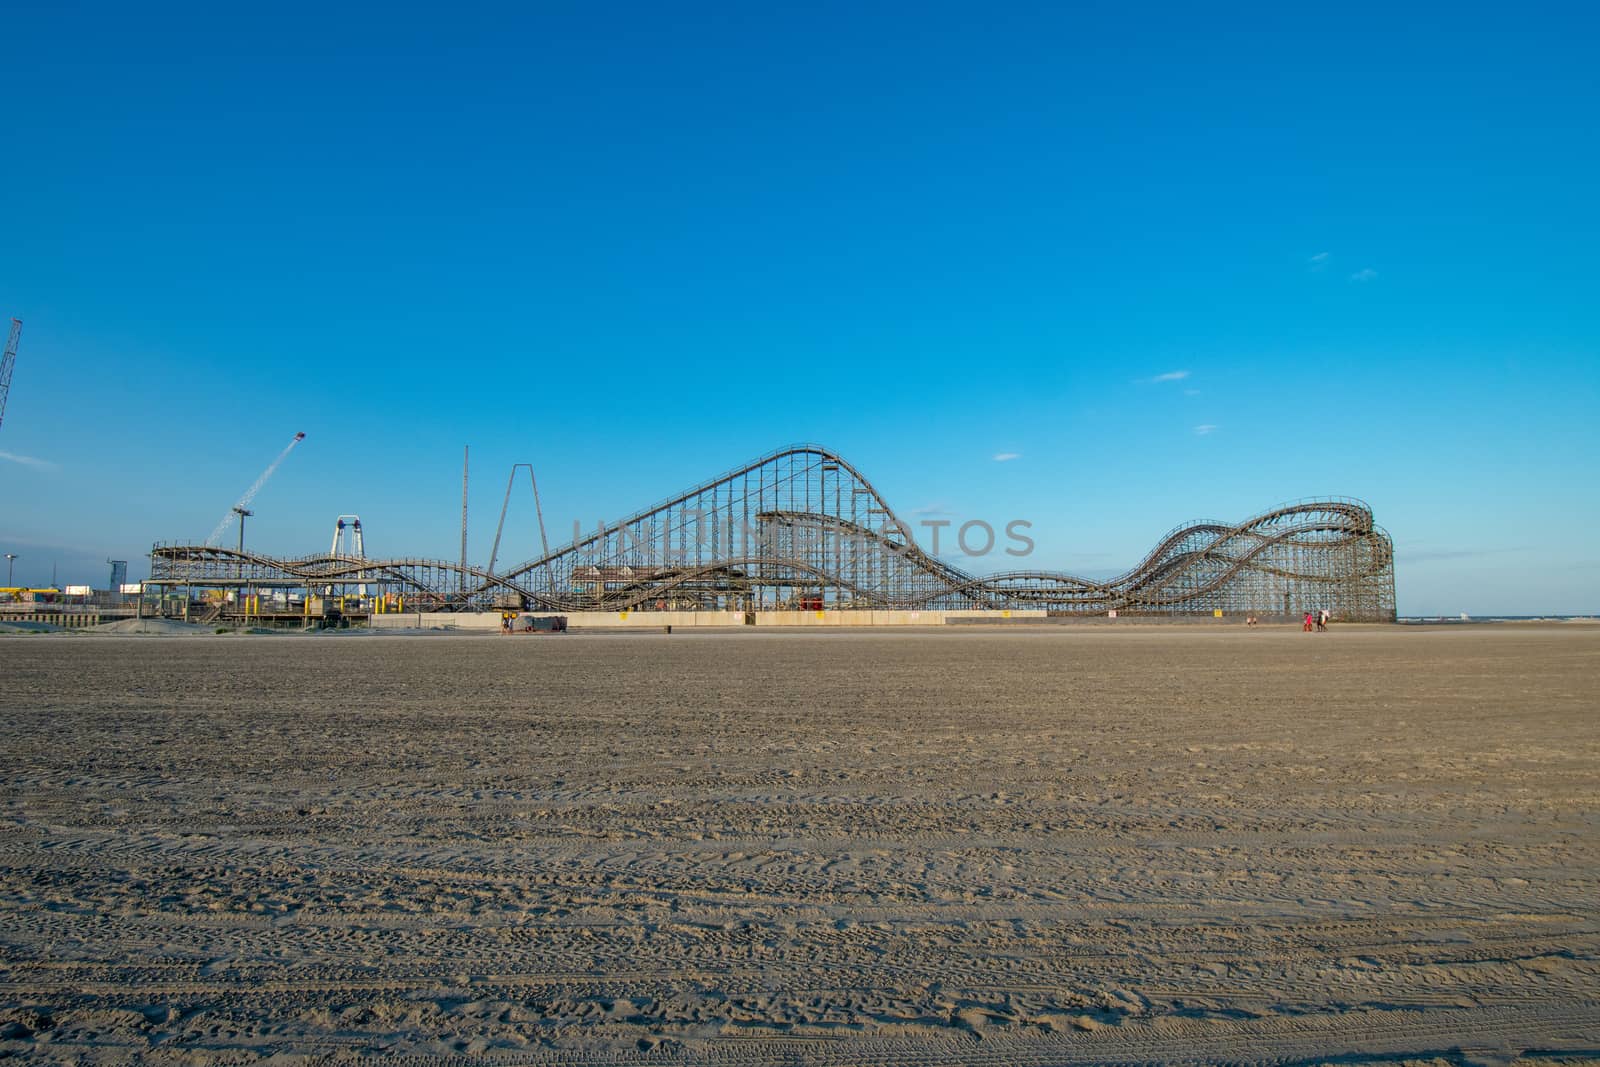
(882, 618)
(650, 620)
(489, 621)
(66, 619)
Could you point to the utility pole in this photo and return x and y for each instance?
(11, 561)
(243, 513)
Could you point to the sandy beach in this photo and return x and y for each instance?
(981, 845)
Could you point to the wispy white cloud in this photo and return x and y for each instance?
(937, 508)
(1318, 261)
(1365, 274)
(1170, 376)
(28, 461)
(1191, 392)
(1005, 457)
(1205, 428)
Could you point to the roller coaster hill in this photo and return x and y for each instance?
(801, 528)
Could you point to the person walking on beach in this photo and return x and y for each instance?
(1322, 620)
(1307, 627)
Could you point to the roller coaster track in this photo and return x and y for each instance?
(801, 525)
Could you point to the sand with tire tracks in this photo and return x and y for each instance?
(987, 846)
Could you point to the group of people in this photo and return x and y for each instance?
(1318, 621)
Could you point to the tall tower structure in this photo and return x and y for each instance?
(466, 452)
(7, 361)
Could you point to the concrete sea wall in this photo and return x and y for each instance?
(489, 621)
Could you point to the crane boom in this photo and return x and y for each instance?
(7, 361)
(250, 493)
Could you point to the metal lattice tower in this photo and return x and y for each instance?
(8, 361)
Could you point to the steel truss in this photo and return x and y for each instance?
(801, 527)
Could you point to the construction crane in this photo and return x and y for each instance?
(8, 361)
(241, 509)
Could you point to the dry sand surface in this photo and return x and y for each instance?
(1044, 847)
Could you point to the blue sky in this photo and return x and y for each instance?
(638, 245)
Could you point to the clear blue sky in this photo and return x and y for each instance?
(637, 245)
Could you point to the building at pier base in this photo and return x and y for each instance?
(802, 529)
